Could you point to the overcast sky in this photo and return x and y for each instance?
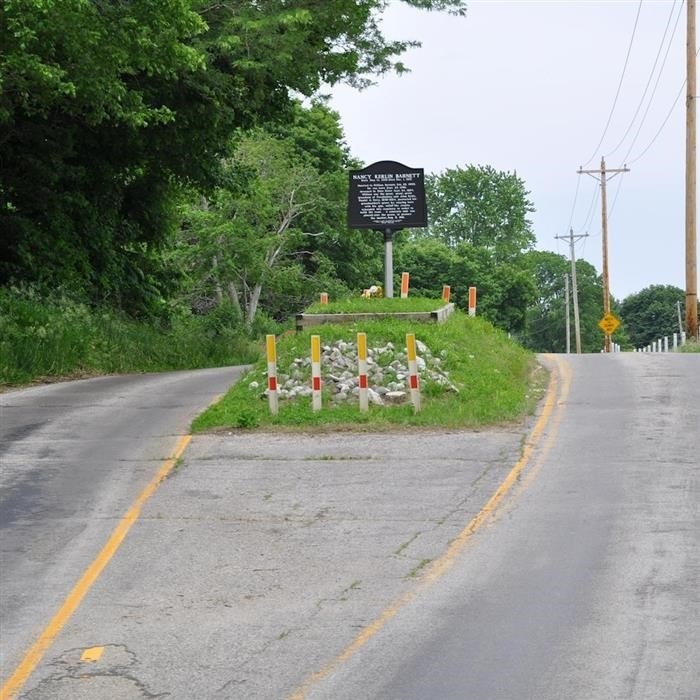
(528, 87)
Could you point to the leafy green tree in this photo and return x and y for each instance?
(504, 290)
(483, 207)
(545, 324)
(652, 313)
(108, 108)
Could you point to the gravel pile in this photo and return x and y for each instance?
(387, 373)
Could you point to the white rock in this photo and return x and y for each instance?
(374, 397)
(253, 385)
(394, 397)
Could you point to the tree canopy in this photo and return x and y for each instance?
(652, 313)
(483, 207)
(108, 108)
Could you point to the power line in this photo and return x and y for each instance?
(573, 206)
(619, 86)
(663, 124)
(651, 73)
(656, 86)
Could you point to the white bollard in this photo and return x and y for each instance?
(665, 343)
(413, 382)
(362, 371)
(316, 400)
(675, 342)
(272, 396)
(682, 337)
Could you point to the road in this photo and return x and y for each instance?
(414, 565)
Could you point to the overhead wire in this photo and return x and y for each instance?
(651, 73)
(656, 85)
(619, 85)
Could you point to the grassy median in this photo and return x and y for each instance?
(492, 380)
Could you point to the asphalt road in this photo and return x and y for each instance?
(359, 566)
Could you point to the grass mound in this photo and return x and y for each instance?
(492, 373)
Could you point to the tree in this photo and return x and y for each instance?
(504, 290)
(545, 324)
(108, 108)
(652, 313)
(483, 207)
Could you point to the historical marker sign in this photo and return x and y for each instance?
(387, 196)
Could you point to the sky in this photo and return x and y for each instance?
(530, 87)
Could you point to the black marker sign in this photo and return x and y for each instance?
(387, 195)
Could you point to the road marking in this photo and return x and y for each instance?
(35, 653)
(92, 655)
(554, 399)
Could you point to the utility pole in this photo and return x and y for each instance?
(691, 259)
(566, 306)
(604, 203)
(577, 324)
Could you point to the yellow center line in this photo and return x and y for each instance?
(555, 397)
(35, 653)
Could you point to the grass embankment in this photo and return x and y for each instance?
(493, 375)
(690, 346)
(375, 306)
(42, 339)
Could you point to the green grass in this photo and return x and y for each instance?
(42, 339)
(494, 376)
(357, 305)
(690, 346)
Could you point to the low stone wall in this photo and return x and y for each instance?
(439, 316)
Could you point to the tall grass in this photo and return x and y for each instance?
(42, 338)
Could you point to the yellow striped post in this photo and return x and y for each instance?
(272, 395)
(316, 372)
(413, 382)
(446, 293)
(404, 285)
(324, 297)
(362, 371)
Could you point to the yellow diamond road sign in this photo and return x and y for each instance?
(609, 323)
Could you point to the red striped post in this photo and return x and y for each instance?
(446, 293)
(324, 297)
(362, 371)
(472, 301)
(413, 382)
(404, 285)
(272, 395)
(316, 372)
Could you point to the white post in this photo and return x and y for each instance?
(665, 343)
(682, 338)
(362, 371)
(316, 400)
(413, 371)
(675, 342)
(272, 396)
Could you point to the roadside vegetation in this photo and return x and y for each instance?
(43, 339)
(497, 380)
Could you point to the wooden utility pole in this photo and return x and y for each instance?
(604, 203)
(577, 323)
(566, 306)
(691, 259)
